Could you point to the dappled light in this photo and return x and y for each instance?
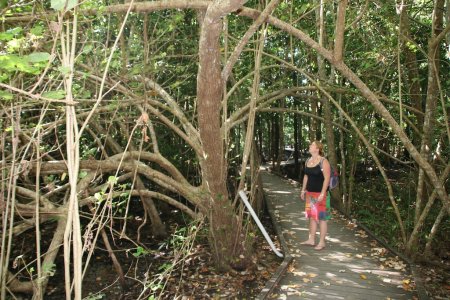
(349, 264)
(150, 148)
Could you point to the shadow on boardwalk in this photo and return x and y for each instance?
(352, 266)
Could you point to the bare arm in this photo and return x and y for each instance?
(303, 192)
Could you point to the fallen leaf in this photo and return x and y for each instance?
(363, 276)
(291, 268)
(312, 275)
(306, 280)
(299, 273)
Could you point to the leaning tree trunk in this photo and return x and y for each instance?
(430, 110)
(226, 237)
(336, 193)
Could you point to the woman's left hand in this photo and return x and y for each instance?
(321, 197)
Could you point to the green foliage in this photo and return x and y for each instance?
(82, 174)
(100, 197)
(38, 57)
(48, 269)
(11, 63)
(63, 4)
(171, 59)
(54, 94)
(112, 180)
(10, 34)
(140, 252)
(5, 95)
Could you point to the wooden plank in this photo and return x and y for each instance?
(345, 269)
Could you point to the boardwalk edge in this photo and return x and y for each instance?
(420, 289)
(275, 279)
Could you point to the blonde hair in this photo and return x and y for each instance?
(320, 146)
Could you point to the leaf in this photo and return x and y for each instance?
(49, 269)
(57, 95)
(98, 197)
(82, 174)
(88, 48)
(37, 30)
(13, 63)
(38, 57)
(363, 276)
(112, 180)
(5, 95)
(64, 70)
(63, 176)
(303, 8)
(6, 36)
(9, 35)
(61, 4)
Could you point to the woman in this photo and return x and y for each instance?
(315, 192)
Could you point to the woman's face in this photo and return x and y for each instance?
(313, 149)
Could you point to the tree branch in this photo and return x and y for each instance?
(340, 31)
(244, 40)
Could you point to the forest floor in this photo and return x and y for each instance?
(149, 270)
(434, 272)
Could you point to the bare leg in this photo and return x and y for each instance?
(323, 233)
(312, 233)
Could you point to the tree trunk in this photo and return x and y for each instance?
(342, 148)
(439, 219)
(336, 193)
(296, 149)
(226, 237)
(431, 104)
(351, 176)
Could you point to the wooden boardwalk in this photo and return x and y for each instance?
(352, 266)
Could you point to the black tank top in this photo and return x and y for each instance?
(315, 178)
